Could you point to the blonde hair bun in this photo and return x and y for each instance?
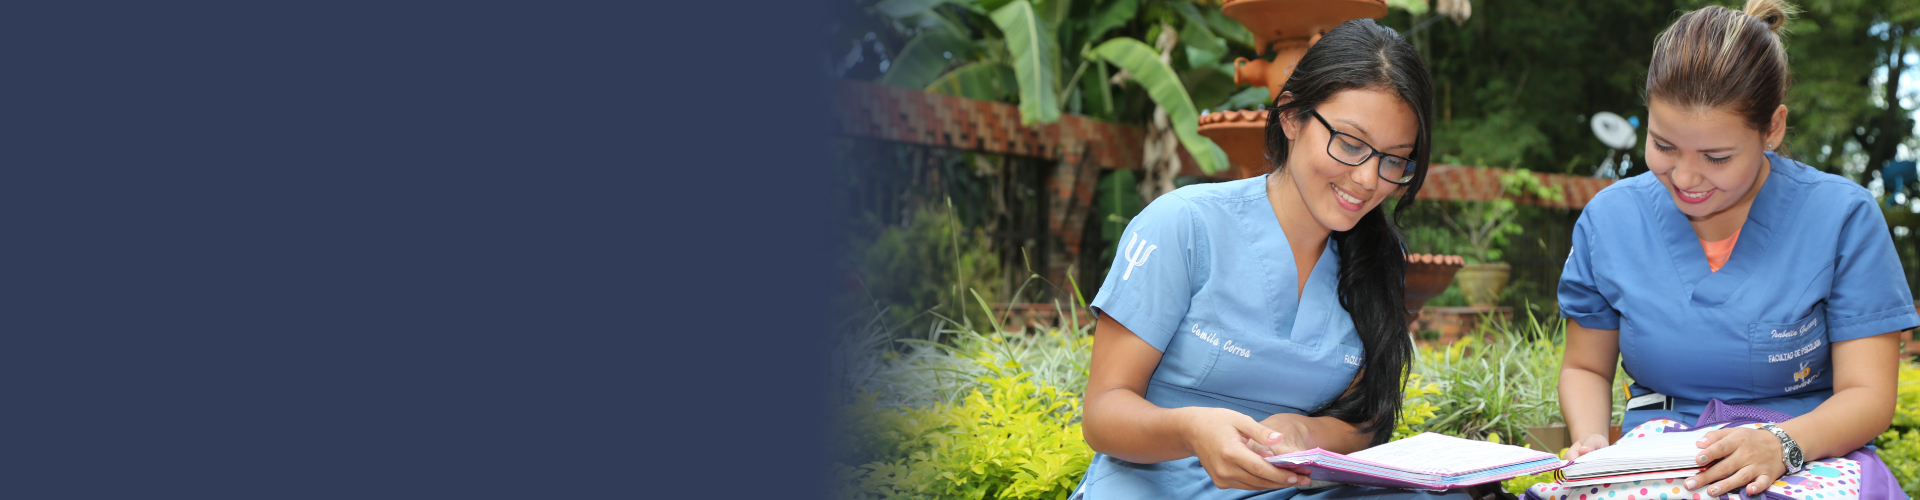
(1775, 13)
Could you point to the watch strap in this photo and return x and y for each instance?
(1788, 448)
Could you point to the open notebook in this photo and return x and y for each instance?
(1655, 456)
(1428, 461)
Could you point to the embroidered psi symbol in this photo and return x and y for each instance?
(1137, 252)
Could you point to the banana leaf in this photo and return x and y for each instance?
(924, 58)
(1164, 87)
(986, 81)
(1036, 61)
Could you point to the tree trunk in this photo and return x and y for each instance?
(1161, 160)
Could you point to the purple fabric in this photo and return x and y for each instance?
(1719, 412)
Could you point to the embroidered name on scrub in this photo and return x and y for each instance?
(1214, 338)
(1776, 358)
(1796, 333)
(1352, 360)
(1211, 338)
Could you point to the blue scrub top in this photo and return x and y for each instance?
(1205, 275)
(1814, 265)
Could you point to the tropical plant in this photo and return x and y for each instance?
(1483, 227)
(1499, 381)
(1055, 56)
(968, 413)
(1011, 439)
(1061, 56)
(920, 270)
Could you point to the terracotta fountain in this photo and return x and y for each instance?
(1285, 29)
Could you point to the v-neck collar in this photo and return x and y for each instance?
(1313, 304)
(1708, 288)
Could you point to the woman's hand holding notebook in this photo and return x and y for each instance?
(1427, 461)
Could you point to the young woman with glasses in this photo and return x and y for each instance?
(1265, 316)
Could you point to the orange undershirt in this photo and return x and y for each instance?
(1718, 251)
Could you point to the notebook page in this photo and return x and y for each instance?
(1667, 449)
(1429, 452)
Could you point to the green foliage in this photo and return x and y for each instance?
(1433, 238)
(1415, 408)
(1247, 98)
(1036, 60)
(924, 58)
(1481, 228)
(940, 368)
(1906, 406)
(1196, 36)
(923, 266)
(1040, 53)
(1502, 137)
(1900, 445)
(1500, 380)
(1518, 486)
(1501, 386)
(1165, 88)
(984, 80)
(1901, 452)
(1111, 15)
(1415, 7)
(1008, 437)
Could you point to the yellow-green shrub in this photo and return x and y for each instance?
(1012, 440)
(1901, 452)
(1900, 446)
(1906, 409)
(1414, 408)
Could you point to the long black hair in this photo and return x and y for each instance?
(1360, 54)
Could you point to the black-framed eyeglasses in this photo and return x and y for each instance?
(1352, 151)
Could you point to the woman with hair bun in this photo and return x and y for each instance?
(1742, 290)
(1264, 316)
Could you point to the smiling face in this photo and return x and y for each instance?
(1337, 194)
(1709, 159)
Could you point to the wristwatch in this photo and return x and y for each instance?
(1794, 459)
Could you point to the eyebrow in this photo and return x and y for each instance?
(1363, 130)
(1721, 149)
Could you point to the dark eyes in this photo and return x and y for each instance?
(1348, 145)
(1669, 149)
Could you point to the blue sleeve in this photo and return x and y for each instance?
(1150, 285)
(1579, 293)
(1869, 295)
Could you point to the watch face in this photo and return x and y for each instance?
(1794, 456)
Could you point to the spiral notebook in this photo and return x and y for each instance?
(1428, 461)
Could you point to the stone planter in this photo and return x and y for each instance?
(1427, 276)
(1455, 323)
(1483, 283)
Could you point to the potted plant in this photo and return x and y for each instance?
(1483, 227)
